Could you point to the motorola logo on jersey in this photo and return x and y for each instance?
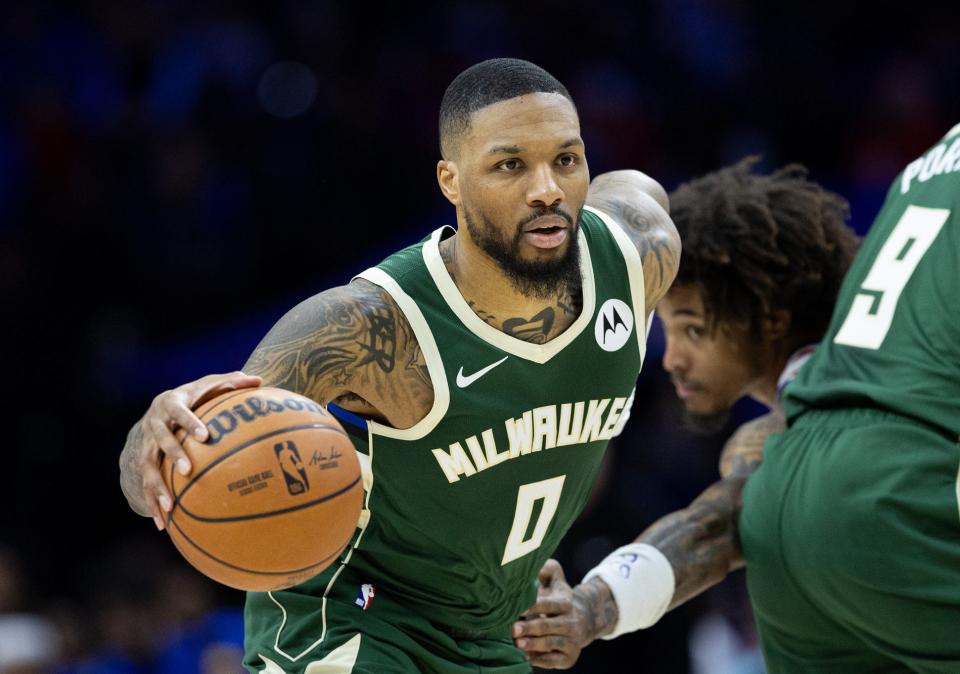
(614, 325)
(292, 465)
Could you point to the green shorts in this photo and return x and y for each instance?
(851, 534)
(297, 632)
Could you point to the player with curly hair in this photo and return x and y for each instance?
(764, 256)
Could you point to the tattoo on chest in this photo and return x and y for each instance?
(535, 329)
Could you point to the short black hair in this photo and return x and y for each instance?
(484, 84)
(755, 244)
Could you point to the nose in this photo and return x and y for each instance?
(543, 190)
(674, 359)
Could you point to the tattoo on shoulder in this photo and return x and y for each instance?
(647, 224)
(743, 451)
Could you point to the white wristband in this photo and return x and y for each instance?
(642, 584)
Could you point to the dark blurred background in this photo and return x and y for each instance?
(174, 175)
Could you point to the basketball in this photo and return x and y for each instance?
(274, 493)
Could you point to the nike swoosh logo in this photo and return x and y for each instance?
(464, 382)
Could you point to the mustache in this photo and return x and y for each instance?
(691, 384)
(545, 210)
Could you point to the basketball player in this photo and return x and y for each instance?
(481, 371)
(764, 256)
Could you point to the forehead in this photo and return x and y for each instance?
(523, 121)
(682, 300)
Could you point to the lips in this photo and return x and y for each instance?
(685, 389)
(546, 223)
(547, 231)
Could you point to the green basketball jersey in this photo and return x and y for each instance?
(894, 341)
(462, 509)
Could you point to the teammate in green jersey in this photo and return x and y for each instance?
(763, 260)
(482, 373)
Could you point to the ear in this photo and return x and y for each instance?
(777, 324)
(448, 176)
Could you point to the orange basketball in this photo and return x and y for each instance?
(274, 494)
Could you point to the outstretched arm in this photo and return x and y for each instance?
(700, 542)
(349, 344)
(640, 205)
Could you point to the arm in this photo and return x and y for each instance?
(349, 344)
(640, 205)
(700, 542)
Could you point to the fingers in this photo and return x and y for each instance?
(549, 605)
(169, 445)
(173, 411)
(553, 660)
(155, 492)
(537, 627)
(551, 573)
(208, 387)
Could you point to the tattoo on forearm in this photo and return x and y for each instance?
(700, 541)
(130, 478)
(597, 603)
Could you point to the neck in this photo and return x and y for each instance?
(498, 302)
(764, 388)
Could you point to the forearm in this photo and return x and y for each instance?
(595, 602)
(130, 478)
(700, 541)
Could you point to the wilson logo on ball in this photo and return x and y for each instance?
(292, 465)
(227, 421)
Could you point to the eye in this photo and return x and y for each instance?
(509, 165)
(694, 333)
(567, 160)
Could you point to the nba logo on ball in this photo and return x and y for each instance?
(293, 471)
(614, 325)
(365, 596)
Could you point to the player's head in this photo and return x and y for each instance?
(513, 164)
(763, 259)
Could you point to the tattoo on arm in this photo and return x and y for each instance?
(347, 339)
(702, 541)
(743, 451)
(598, 605)
(626, 197)
(130, 478)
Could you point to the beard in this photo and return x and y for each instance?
(540, 279)
(706, 424)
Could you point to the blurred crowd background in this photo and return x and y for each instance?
(174, 175)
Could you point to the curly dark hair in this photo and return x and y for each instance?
(755, 244)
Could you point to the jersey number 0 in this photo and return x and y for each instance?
(547, 492)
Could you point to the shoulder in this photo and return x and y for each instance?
(639, 205)
(743, 451)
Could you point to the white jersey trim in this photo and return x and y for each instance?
(958, 491)
(428, 346)
(631, 257)
(537, 353)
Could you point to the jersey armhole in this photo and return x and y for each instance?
(428, 346)
(643, 318)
